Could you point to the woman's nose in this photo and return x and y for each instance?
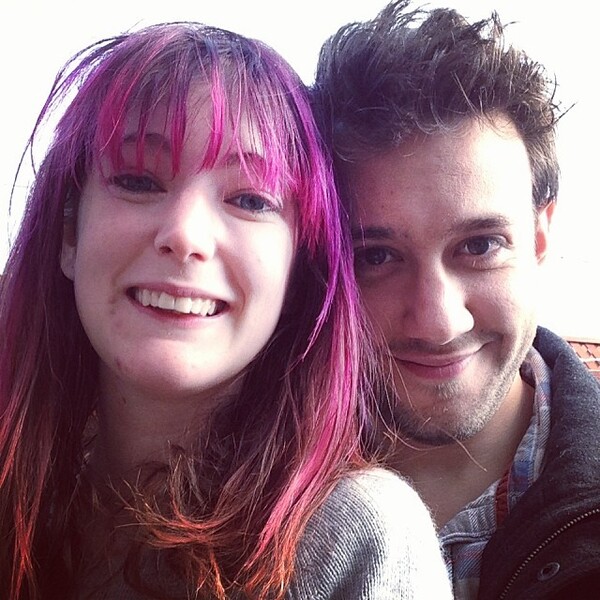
(188, 227)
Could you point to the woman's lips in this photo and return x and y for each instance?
(204, 307)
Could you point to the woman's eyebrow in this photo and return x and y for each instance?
(153, 140)
(234, 159)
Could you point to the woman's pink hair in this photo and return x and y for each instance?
(296, 425)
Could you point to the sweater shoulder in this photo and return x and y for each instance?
(382, 498)
(373, 538)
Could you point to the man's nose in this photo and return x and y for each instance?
(436, 307)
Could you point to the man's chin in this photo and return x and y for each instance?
(442, 429)
(429, 437)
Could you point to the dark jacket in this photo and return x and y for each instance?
(549, 545)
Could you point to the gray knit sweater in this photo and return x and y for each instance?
(372, 539)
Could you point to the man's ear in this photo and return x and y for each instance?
(542, 230)
(69, 250)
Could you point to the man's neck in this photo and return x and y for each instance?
(449, 477)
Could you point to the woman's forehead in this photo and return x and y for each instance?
(198, 122)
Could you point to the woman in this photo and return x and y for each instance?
(182, 359)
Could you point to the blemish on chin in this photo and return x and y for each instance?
(119, 366)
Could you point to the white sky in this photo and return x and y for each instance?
(39, 36)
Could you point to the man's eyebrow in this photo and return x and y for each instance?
(379, 233)
(372, 233)
(482, 223)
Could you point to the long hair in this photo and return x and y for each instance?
(411, 71)
(230, 516)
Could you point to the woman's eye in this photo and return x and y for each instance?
(139, 184)
(252, 203)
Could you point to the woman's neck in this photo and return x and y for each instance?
(135, 428)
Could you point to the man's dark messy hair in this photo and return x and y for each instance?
(424, 71)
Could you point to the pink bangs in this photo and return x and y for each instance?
(159, 66)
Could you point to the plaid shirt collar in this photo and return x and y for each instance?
(464, 537)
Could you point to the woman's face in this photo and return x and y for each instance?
(179, 280)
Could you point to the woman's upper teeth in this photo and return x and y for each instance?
(204, 307)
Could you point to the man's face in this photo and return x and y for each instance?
(447, 247)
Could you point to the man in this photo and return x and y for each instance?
(444, 143)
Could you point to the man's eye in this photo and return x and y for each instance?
(371, 256)
(136, 183)
(479, 246)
